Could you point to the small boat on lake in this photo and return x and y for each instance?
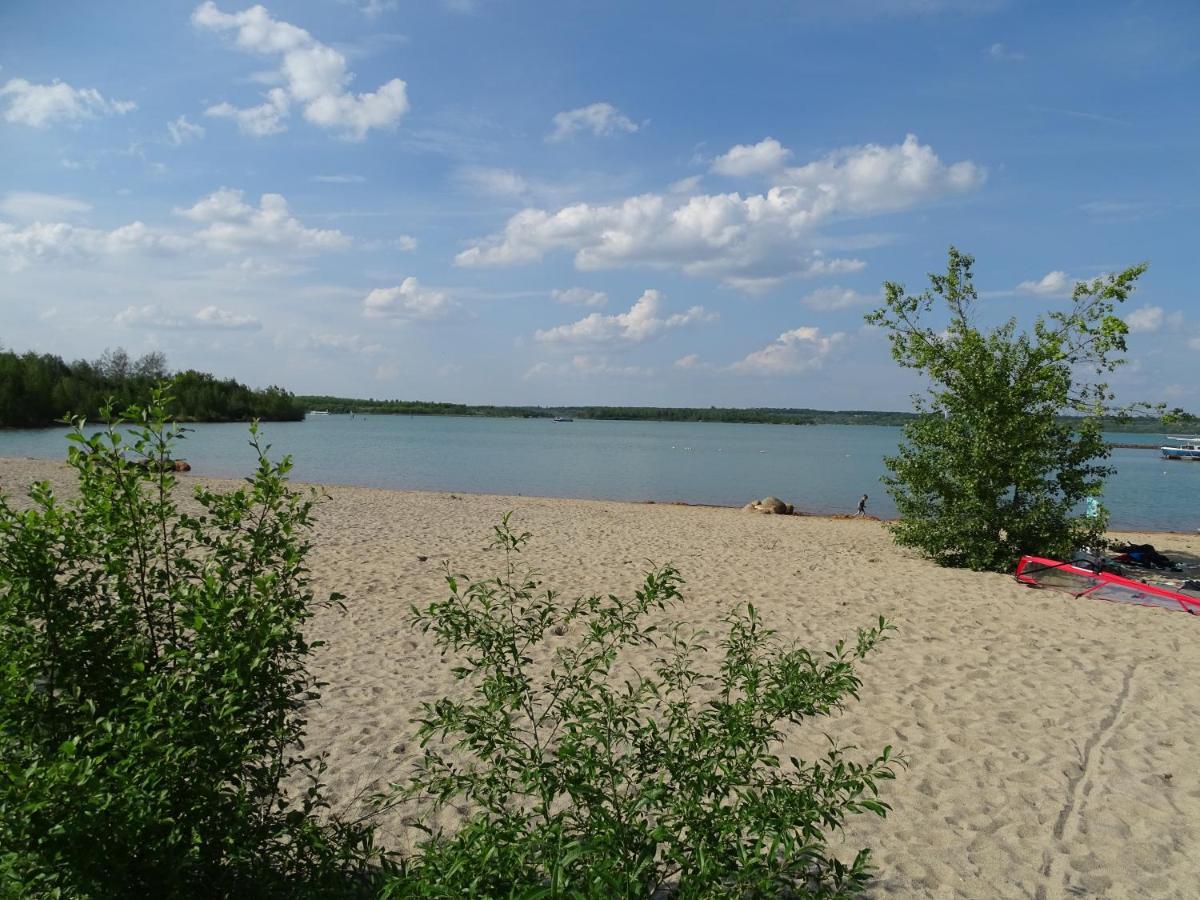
(318, 412)
(1183, 448)
(563, 419)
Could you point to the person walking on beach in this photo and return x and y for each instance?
(862, 507)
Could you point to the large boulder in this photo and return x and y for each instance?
(769, 506)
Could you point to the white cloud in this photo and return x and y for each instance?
(31, 206)
(314, 76)
(875, 179)
(601, 119)
(406, 243)
(687, 362)
(1052, 284)
(492, 182)
(407, 301)
(210, 317)
(228, 225)
(643, 321)
(1001, 53)
(43, 242)
(257, 121)
(233, 224)
(762, 158)
(215, 317)
(743, 240)
(1194, 343)
(181, 131)
(793, 352)
(339, 179)
(834, 297)
(578, 296)
(39, 105)
(1145, 319)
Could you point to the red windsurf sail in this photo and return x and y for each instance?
(1081, 582)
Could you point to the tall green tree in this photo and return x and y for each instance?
(987, 470)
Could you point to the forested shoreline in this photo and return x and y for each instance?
(755, 415)
(37, 390)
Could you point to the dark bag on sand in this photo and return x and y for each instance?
(1144, 555)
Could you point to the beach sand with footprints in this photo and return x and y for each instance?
(1051, 742)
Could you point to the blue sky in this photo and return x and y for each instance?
(659, 203)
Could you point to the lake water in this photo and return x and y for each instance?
(819, 468)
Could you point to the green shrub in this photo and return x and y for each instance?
(585, 781)
(153, 682)
(990, 469)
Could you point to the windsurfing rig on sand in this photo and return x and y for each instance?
(1079, 581)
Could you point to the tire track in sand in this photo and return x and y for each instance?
(1080, 786)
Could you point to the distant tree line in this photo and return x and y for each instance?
(1176, 419)
(38, 390)
(762, 415)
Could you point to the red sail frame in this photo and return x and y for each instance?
(1078, 581)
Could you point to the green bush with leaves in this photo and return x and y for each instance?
(989, 470)
(585, 777)
(153, 681)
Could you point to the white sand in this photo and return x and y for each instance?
(1051, 741)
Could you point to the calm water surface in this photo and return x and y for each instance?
(820, 468)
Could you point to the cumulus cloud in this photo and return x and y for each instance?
(181, 130)
(407, 301)
(601, 119)
(1052, 284)
(752, 159)
(644, 320)
(227, 225)
(230, 223)
(44, 242)
(313, 75)
(690, 361)
(793, 352)
(834, 297)
(32, 206)
(257, 121)
(746, 241)
(578, 296)
(1145, 319)
(210, 317)
(40, 105)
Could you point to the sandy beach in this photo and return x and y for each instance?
(1050, 740)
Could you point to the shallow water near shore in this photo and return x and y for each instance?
(819, 468)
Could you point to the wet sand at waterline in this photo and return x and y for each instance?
(1051, 741)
